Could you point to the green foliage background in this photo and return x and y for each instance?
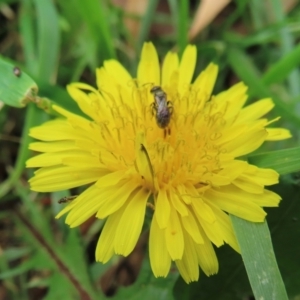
(57, 42)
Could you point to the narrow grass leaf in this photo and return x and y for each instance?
(247, 71)
(31, 119)
(174, 8)
(95, 15)
(146, 23)
(279, 71)
(183, 24)
(48, 39)
(283, 161)
(259, 259)
(287, 43)
(27, 32)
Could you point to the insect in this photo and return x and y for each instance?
(17, 71)
(66, 199)
(163, 109)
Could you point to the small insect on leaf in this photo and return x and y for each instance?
(17, 71)
(67, 199)
(15, 85)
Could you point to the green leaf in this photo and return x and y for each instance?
(285, 231)
(48, 30)
(59, 288)
(183, 25)
(68, 260)
(247, 71)
(31, 119)
(173, 4)
(14, 253)
(16, 87)
(19, 269)
(73, 255)
(95, 15)
(231, 282)
(259, 258)
(147, 287)
(280, 69)
(287, 43)
(146, 23)
(283, 161)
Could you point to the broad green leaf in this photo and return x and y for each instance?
(16, 87)
(73, 255)
(259, 259)
(283, 161)
(60, 288)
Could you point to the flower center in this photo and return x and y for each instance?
(189, 150)
(184, 151)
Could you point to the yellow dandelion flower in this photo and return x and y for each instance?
(159, 142)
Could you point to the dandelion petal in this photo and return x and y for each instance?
(188, 265)
(105, 247)
(160, 259)
(174, 236)
(130, 224)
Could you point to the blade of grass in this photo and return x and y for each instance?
(183, 25)
(259, 259)
(146, 23)
(26, 27)
(47, 62)
(38, 239)
(236, 13)
(265, 35)
(48, 39)
(280, 70)
(30, 121)
(257, 13)
(287, 45)
(254, 238)
(283, 161)
(41, 236)
(173, 4)
(245, 69)
(95, 15)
